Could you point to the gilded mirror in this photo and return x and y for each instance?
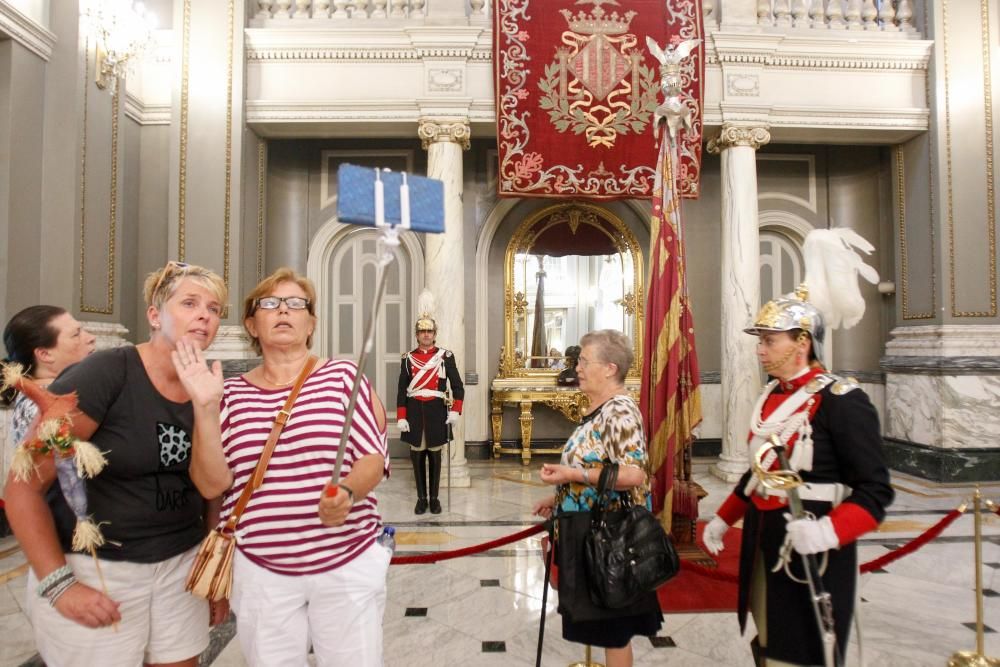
(568, 269)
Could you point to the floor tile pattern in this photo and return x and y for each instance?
(484, 610)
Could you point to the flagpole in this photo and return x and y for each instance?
(669, 392)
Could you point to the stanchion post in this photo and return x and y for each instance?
(976, 658)
(586, 659)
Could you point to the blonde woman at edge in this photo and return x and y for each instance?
(133, 407)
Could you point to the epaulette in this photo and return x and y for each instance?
(405, 355)
(817, 383)
(843, 385)
(448, 353)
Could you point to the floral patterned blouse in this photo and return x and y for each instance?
(25, 412)
(611, 432)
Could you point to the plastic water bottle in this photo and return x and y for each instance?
(388, 538)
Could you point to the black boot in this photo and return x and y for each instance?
(435, 471)
(419, 459)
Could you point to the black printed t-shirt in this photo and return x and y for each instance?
(144, 497)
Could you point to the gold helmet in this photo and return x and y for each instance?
(788, 313)
(426, 306)
(830, 297)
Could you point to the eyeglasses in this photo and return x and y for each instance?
(273, 302)
(583, 361)
(171, 268)
(420, 331)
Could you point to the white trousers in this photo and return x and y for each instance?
(161, 622)
(339, 612)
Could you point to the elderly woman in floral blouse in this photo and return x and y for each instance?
(610, 431)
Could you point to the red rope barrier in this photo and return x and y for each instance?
(914, 544)
(435, 556)
(920, 540)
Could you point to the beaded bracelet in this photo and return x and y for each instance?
(52, 578)
(56, 592)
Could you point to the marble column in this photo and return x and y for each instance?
(444, 140)
(108, 334)
(740, 290)
(232, 347)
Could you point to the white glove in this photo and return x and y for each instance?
(404, 426)
(809, 536)
(452, 417)
(712, 537)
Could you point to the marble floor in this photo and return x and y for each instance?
(484, 610)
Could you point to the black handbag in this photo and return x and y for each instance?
(575, 598)
(627, 553)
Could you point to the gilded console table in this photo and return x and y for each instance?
(568, 401)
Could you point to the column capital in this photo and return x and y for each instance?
(738, 135)
(433, 130)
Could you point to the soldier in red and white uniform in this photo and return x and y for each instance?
(830, 431)
(423, 413)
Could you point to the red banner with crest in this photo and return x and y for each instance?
(576, 90)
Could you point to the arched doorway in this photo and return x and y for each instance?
(342, 264)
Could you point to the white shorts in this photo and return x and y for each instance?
(339, 612)
(161, 622)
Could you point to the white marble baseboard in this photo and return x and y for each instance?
(944, 411)
(945, 340)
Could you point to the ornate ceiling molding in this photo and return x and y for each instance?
(853, 52)
(146, 114)
(786, 116)
(355, 45)
(26, 32)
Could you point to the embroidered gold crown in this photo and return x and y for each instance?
(598, 23)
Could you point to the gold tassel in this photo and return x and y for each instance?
(90, 460)
(23, 464)
(12, 374)
(87, 536)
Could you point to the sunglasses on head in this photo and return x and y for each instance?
(420, 331)
(171, 268)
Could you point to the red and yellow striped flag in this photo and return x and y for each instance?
(669, 396)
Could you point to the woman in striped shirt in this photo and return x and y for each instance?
(308, 569)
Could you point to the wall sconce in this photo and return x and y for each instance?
(121, 29)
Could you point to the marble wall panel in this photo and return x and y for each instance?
(945, 411)
(912, 406)
(968, 406)
(711, 411)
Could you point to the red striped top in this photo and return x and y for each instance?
(280, 529)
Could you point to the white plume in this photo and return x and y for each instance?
(426, 304)
(832, 269)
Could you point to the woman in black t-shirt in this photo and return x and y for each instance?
(134, 409)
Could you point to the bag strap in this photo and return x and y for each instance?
(606, 485)
(550, 525)
(280, 419)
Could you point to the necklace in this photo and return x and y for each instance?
(284, 384)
